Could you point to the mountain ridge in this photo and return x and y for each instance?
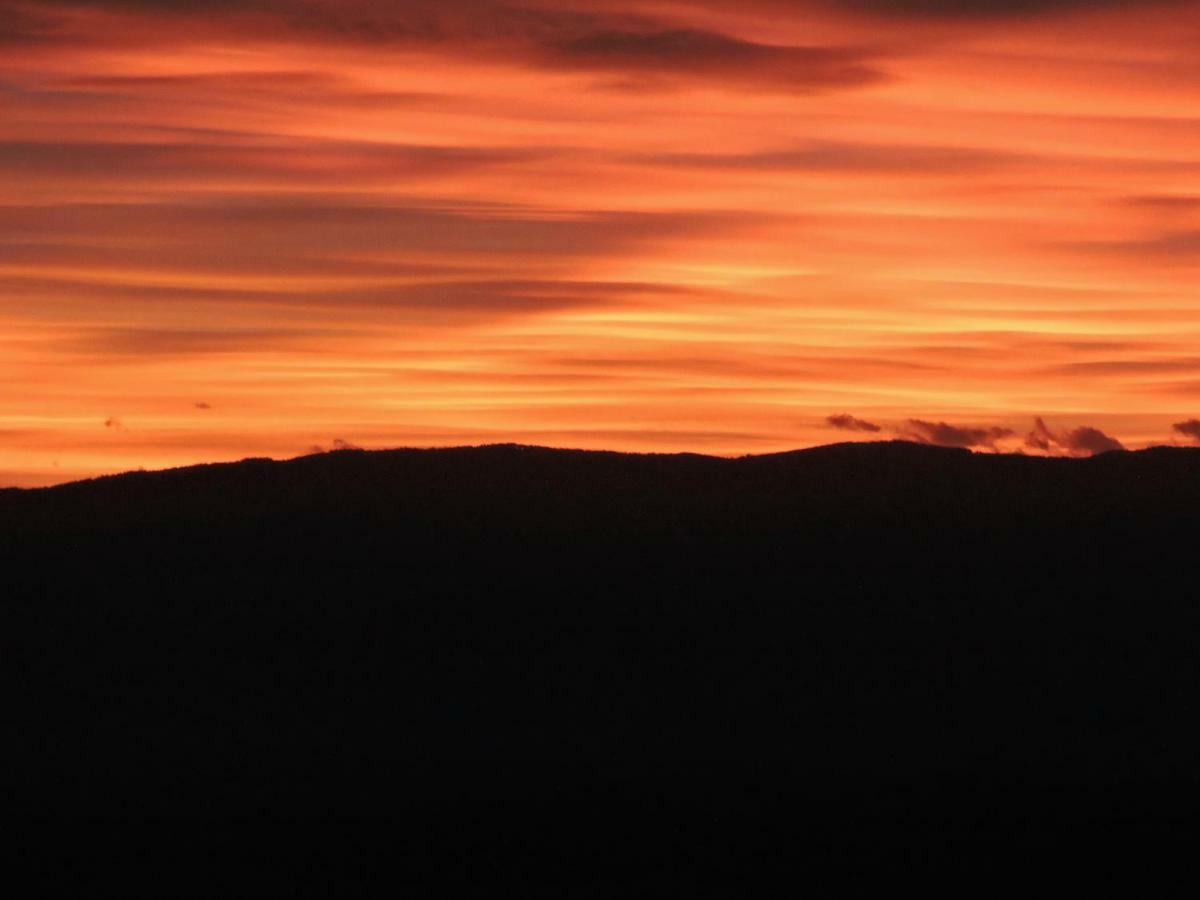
(297, 637)
(802, 453)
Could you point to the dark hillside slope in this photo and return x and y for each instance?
(291, 638)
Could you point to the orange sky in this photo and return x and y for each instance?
(254, 227)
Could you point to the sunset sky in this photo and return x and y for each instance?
(237, 228)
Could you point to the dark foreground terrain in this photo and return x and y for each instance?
(581, 665)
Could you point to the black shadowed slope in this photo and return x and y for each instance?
(862, 624)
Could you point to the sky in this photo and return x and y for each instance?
(235, 228)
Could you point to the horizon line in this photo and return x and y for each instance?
(347, 450)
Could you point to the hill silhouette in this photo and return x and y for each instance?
(872, 630)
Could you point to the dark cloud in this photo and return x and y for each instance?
(850, 423)
(978, 9)
(840, 157)
(21, 25)
(1090, 440)
(1041, 438)
(432, 263)
(1082, 441)
(449, 302)
(284, 88)
(945, 435)
(1163, 202)
(619, 40)
(249, 81)
(1164, 249)
(202, 405)
(1190, 428)
(179, 342)
(1129, 366)
(113, 423)
(609, 34)
(947, 12)
(194, 259)
(306, 225)
(171, 6)
(697, 52)
(298, 162)
(334, 11)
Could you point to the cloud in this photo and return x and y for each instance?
(1167, 248)
(299, 162)
(308, 225)
(1129, 366)
(22, 25)
(981, 9)
(178, 343)
(1041, 438)
(945, 435)
(967, 12)
(621, 38)
(1082, 441)
(831, 156)
(1163, 202)
(1090, 440)
(432, 302)
(696, 52)
(1190, 428)
(202, 405)
(341, 14)
(850, 423)
(113, 423)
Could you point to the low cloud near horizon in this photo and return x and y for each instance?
(851, 423)
(942, 434)
(1190, 429)
(1082, 441)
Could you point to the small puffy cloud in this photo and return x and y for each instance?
(114, 423)
(1090, 440)
(850, 423)
(202, 405)
(943, 434)
(1189, 429)
(1082, 441)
